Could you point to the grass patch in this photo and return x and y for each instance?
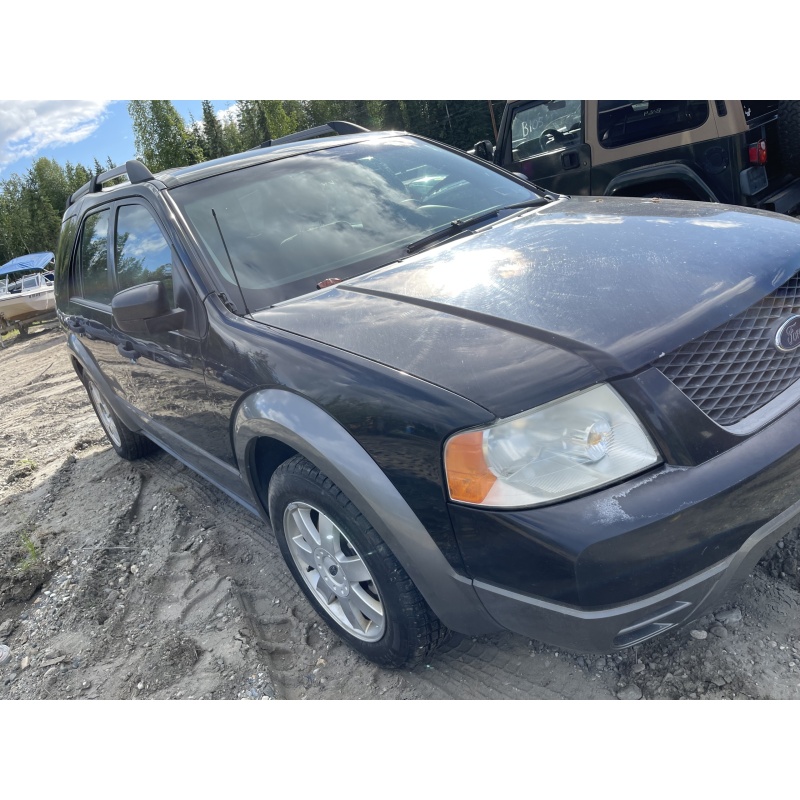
(32, 553)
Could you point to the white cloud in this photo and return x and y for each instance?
(224, 116)
(28, 126)
(228, 114)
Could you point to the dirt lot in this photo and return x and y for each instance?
(140, 580)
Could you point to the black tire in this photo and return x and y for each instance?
(128, 444)
(789, 134)
(398, 629)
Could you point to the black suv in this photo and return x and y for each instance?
(462, 403)
(745, 152)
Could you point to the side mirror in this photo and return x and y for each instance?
(485, 150)
(145, 309)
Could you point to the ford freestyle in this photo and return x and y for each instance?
(460, 401)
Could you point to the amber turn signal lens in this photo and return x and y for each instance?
(468, 478)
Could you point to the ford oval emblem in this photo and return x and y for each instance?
(788, 336)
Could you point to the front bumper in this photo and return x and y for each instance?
(613, 568)
(627, 624)
(785, 201)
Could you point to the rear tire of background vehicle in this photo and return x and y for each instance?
(127, 443)
(346, 570)
(789, 135)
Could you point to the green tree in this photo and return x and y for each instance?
(367, 113)
(261, 120)
(44, 221)
(231, 137)
(161, 136)
(394, 115)
(14, 222)
(214, 144)
(460, 123)
(31, 207)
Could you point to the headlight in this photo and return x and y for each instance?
(560, 449)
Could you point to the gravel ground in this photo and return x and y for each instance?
(140, 580)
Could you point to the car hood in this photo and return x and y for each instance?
(579, 291)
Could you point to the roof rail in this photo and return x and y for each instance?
(135, 170)
(337, 126)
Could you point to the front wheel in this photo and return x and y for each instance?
(347, 571)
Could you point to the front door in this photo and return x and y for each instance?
(545, 142)
(159, 376)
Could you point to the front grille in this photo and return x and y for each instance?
(735, 369)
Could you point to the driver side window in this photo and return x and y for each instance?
(544, 126)
(141, 253)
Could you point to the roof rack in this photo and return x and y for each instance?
(337, 126)
(135, 170)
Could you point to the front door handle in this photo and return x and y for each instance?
(570, 159)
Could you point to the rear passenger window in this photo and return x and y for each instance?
(95, 284)
(141, 253)
(621, 122)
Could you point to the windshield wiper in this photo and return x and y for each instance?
(456, 226)
(459, 225)
(532, 203)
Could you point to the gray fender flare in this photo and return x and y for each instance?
(656, 172)
(314, 434)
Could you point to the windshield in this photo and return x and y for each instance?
(335, 213)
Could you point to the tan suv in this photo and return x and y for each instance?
(744, 152)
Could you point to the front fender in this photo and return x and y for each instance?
(309, 430)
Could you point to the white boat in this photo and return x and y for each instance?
(26, 290)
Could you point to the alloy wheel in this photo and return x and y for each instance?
(334, 571)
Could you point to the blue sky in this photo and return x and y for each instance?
(73, 130)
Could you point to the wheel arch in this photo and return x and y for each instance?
(651, 178)
(77, 366)
(272, 425)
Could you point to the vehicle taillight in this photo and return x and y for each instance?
(758, 152)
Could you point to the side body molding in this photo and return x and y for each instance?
(303, 426)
